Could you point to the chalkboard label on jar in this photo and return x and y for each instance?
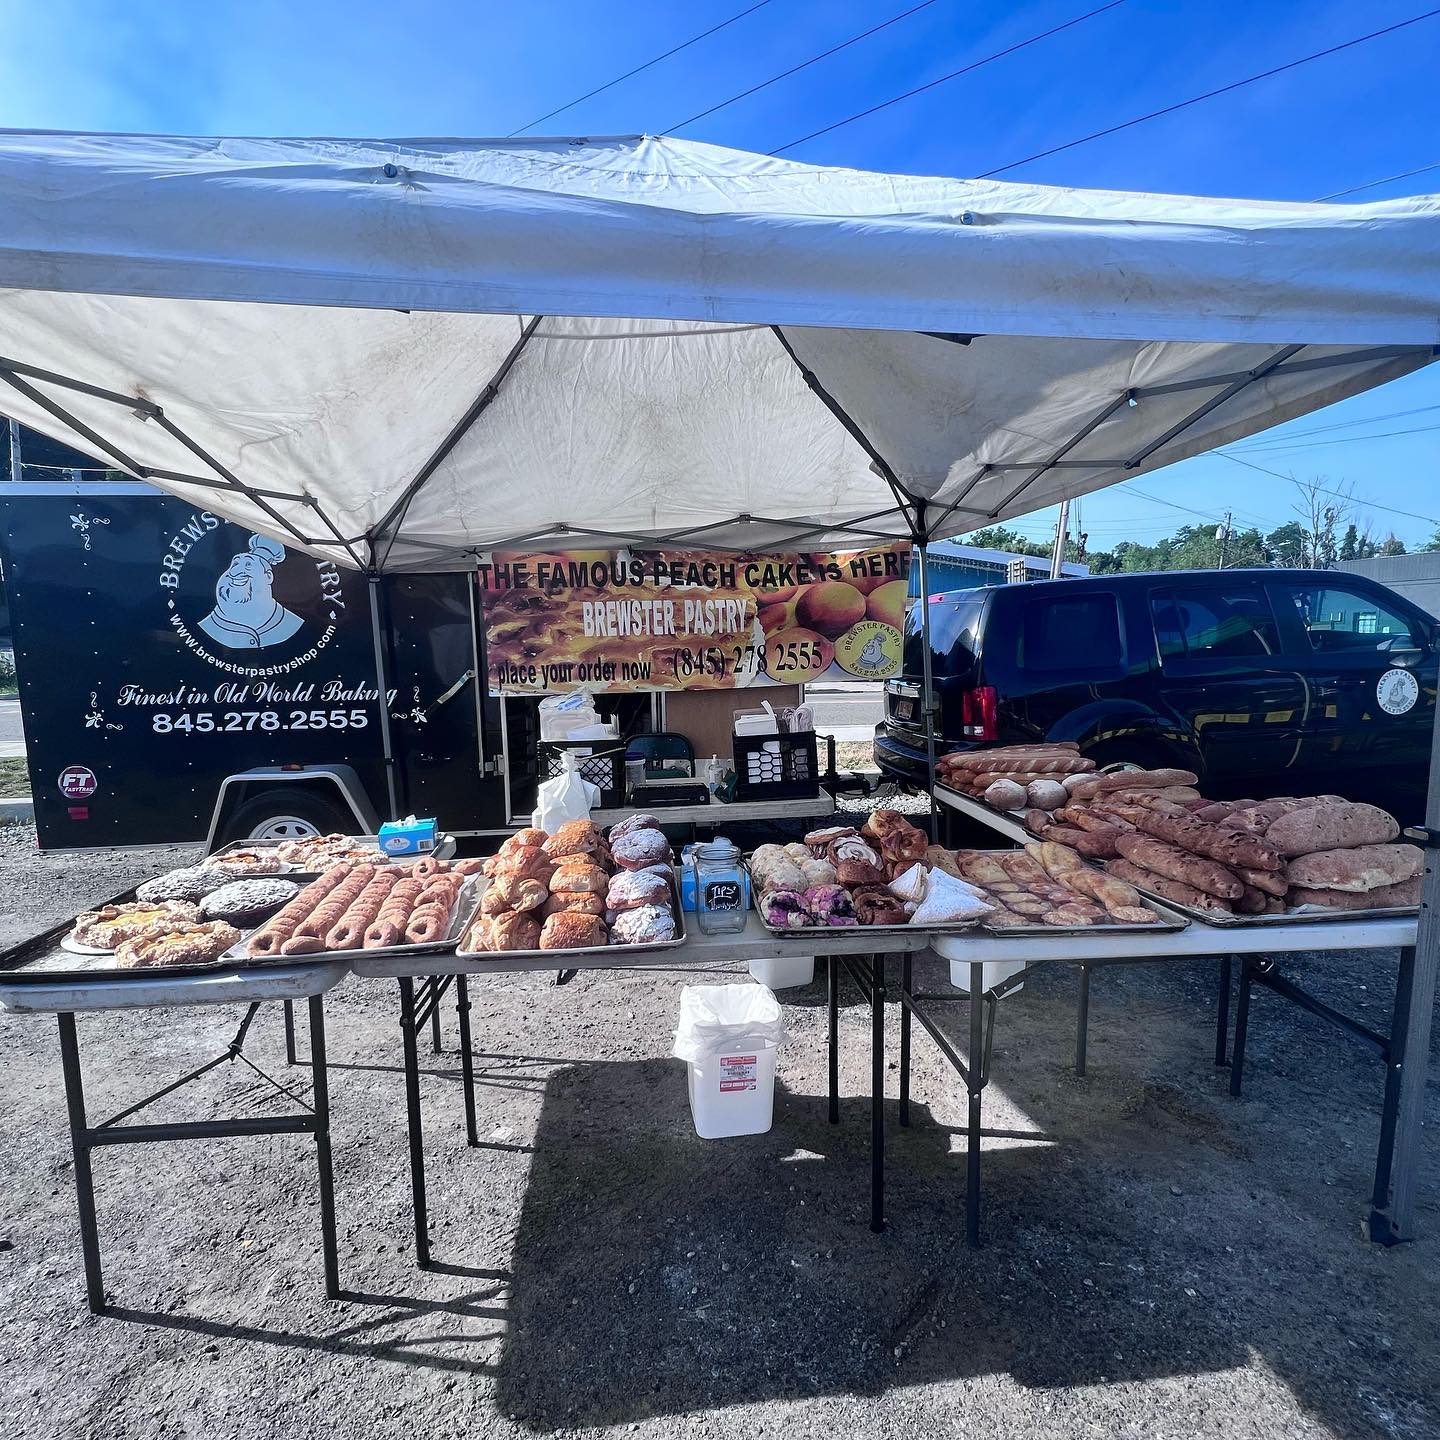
(722, 895)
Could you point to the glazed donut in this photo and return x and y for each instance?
(302, 945)
(440, 894)
(426, 926)
(381, 935)
(347, 935)
(430, 866)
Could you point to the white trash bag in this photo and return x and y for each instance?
(727, 1035)
(569, 796)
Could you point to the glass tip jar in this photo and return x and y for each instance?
(720, 887)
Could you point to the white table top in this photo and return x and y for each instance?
(1009, 826)
(222, 987)
(719, 813)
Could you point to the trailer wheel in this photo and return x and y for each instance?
(286, 813)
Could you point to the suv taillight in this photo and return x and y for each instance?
(977, 713)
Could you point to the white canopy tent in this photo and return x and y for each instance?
(402, 354)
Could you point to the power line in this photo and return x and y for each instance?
(1279, 448)
(1338, 494)
(1246, 446)
(953, 75)
(610, 84)
(1371, 184)
(804, 64)
(1211, 94)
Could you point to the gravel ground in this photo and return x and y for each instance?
(1160, 1260)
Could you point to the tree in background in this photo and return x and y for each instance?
(1350, 543)
(1393, 545)
(1433, 543)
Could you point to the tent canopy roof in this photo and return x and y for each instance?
(402, 353)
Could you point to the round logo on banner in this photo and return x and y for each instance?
(869, 650)
(1397, 691)
(78, 782)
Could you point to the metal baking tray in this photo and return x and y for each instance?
(466, 905)
(500, 956)
(1308, 915)
(444, 850)
(1160, 924)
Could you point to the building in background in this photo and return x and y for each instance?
(1416, 577)
(954, 566)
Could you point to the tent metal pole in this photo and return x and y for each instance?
(395, 516)
(387, 752)
(927, 691)
(1393, 1216)
(61, 414)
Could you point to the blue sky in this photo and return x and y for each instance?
(449, 68)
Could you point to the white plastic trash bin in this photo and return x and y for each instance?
(783, 972)
(727, 1036)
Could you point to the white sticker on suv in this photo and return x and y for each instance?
(1397, 691)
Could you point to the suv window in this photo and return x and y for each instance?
(1070, 632)
(954, 628)
(1220, 622)
(1349, 622)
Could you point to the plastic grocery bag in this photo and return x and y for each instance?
(569, 796)
(715, 1018)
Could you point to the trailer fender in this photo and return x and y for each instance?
(311, 797)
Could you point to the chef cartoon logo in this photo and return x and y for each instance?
(247, 616)
(869, 650)
(1397, 691)
(244, 603)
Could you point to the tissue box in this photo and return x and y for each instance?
(407, 837)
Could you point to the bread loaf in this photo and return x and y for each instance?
(1005, 795)
(1405, 893)
(1172, 863)
(1046, 794)
(1363, 867)
(1176, 890)
(1331, 825)
(1272, 882)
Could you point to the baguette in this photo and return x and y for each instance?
(1176, 890)
(1364, 867)
(1021, 754)
(1132, 780)
(1272, 882)
(1172, 863)
(1229, 847)
(1331, 826)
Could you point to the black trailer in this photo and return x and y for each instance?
(182, 678)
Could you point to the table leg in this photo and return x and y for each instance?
(1222, 1012)
(1387, 1225)
(435, 1017)
(832, 1006)
(320, 1080)
(906, 981)
(290, 1032)
(974, 1085)
(877, 1093)
(412, 1119)
(1242, 1025)
(467, 1059)
(80, 1149)
(1082, 1020)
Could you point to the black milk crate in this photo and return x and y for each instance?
(776, 767)
(604, 767)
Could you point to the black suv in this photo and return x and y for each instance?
(1264, 682)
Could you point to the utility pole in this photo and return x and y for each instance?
(1062, 527)
(1223, 536)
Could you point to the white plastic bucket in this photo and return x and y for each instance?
(733, 1094)
(727, 1036)
(992, 973)
(783, 972)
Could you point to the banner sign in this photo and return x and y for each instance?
(691, 620)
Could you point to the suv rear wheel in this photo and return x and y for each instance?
(1139, 755)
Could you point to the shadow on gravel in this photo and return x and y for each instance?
(657, 1273)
